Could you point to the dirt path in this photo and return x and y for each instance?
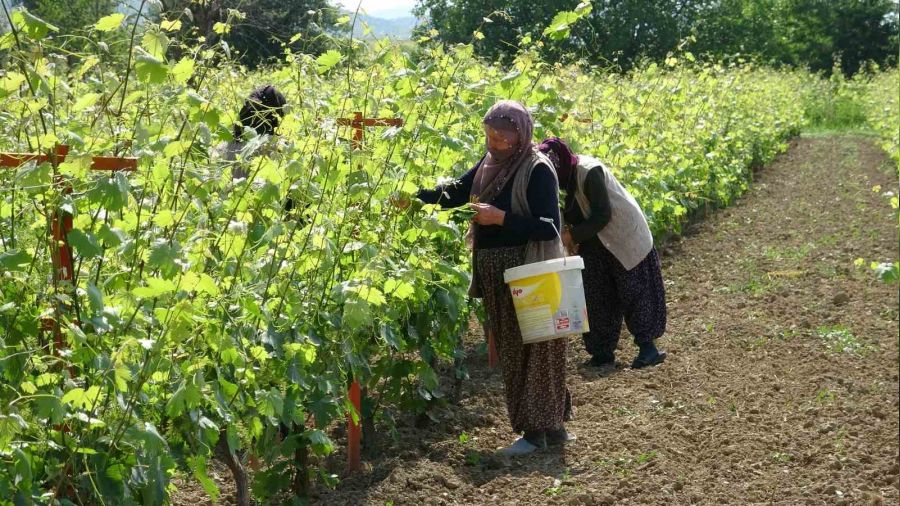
(755, 405)
(757, 402)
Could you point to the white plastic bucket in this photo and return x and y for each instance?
(549, 298)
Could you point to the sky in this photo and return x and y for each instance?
(382, 8)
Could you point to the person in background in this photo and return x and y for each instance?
(514, 191)
(262, 111)
(622, 274)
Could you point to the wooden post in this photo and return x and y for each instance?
(358, 123)
(493, 359)
(358, 131)
(61, 254)
(354, 429)
(566, 116)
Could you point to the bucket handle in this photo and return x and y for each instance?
(550, 221)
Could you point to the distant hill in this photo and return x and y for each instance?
(396, 28)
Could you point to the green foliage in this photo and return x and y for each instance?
(620, 33)
(839, 340)
(206, 310)
(837, 103)
(612, 33)
(72, 15)
(851, 32)
(881, 104)
(256, 31)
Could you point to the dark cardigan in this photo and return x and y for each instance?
(516, 230)
(584, 230)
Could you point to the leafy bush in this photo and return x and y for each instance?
(202, 314)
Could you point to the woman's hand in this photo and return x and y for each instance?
(569, 243)
(401, 202)
(487, 214)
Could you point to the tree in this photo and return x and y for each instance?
(456, 21)
(71, 15)
(807, 33)
(849, 31)
(811, 33)
(624, 31)
(616, 32)
(748, 27)
(256, 29)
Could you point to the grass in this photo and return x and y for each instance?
(839, 340)
(796, 253)
(627, 464)
(756, 285)
(623, 411)
(782, 457)
(840, 444)
(829, 240)
(755, 344)
(841, 111)
(473, 457)
(820, 132)
(825, 396)
(783, 336)
(559, 483)
(828, 271)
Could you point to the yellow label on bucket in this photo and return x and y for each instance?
(543, 290)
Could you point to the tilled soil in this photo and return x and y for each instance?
(781, 384)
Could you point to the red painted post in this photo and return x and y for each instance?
(358, 123)
(61, 224)
(358, 130)
(493, 359)
(354, 429)
(61, 258)
(17, 159)
(566, 116)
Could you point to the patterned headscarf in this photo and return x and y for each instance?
(562, 157)
(511, 117)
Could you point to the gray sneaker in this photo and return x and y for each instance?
(520, 447)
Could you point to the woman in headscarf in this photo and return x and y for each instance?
(262, 111)
(514, 191)
(622, 274)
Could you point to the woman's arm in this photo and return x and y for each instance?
(452, 194)
(543, 202)
(601, 211)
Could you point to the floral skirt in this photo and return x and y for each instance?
(612, 294)
(534, 375)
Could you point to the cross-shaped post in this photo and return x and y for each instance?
(358, 122)
(61, 222)
(354, 429)
(566, 116)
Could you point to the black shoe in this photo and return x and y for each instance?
(655, 357)
(602, 360)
